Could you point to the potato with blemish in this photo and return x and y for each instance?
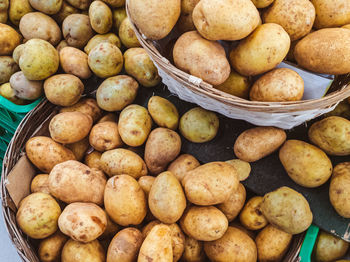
(119, 14)
(8, 67)
(329, 247)
(40, 183)
(183, 164)
(77, 30)
(75, 251)
(163, 112)
(9, 39)
(193, 250)
(87, 106)
(79, 148)
(127, 34)
(251, 216)
(24, 88)
(97, 39)
(242, 167)
(100, 17)
(93, 160)
(18, 9)
(66, 10)
(75, 62)
(146, 183)
(105, 136)
(50, 248)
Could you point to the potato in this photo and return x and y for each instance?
(258, 142)
(155, 19)
(7, 91)
(287, 210)
(24, 88)
(111, 229)
(45, 153)
(68, 182)
(331, 13)
(193, 250)
(116, 92)
(105, 60)
(8, 67)
(100, 17)
(204, 223)
(66, 10)
(146, 183)
(163, 146)
(177, 241)
(87, 106)
(97, 39)
(48, 7)
(40, 183)
(147, 228)
(329, 247)
(331, 135)
(79, 148)
(93, 160)
(37, 215)
(127, 34)
(211, 63)
(111, 117)
(185, 22)
(313, 52)
(183, 164)
(235, 245)
(75, 62)
(261, 51)
(119, 14)
(18, 9)
(4, 5)
(210, 184)
(278, 85)
(61, 45)
(236, 85)
(163, 112)
(251, 216)
(339, 189)
(124, 200)
(77, 30)
(262, 3)
(346, 26)
(234, 204)
(9, 39)
(50, 248)
(74, 251)
(105, 136)
(342, 110)
(115, 3)
(242, 167)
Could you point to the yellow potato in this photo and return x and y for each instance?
(87, 106)
(77, 30)
(115, 3)
(251, 216)
(40, 183)
(9, 39)
(147, 228)
(242, 167)
(49, 7)
(18, 9)
(80, 4)
(105, 136)
(75, 62)
(163, 112)
(329, 247)
(331, 13)
(24, 88)
(262, 3)
(100, 17)
(236, 85)
(97, 39)
(346, 26)
(93, 160)
(183, 164)
(9, 93)
(50, 248)
(66, 10)
(193, 250)
(8, 67)
(342, 110)
(146, 183)
(79, 148)
(127, 34)
(119, 14)
(75, 251)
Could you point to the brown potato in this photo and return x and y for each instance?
(49, 7)
(146, 183)
(75, 62)
(147, 228)
(40, 183)
(262, 3)
(177, 241)
(185, 22)
(18, 9)
(119, 14)
(8, 67)
(79, 148)
(193, 250)
(127, 34)
(7, 92)
(111, 117)
(24, 88)
(66, 10)
(80, 4)
(61, 45)
(100, 17)
(75, 251)
(236, 85)
(111, 229)
(105, 136)
(329, 247)
(242, 167)
(346, 26)
(77, 30)
(9, 39)
(251, 216)
(93, 160)
(87, 106)
(331, 13)
(50, 248)
(97, 39)
(183, 164)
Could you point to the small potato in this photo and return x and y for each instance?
(83, 222)
(45, 153)
(127, 34)
(87, 106)
(183, 164)
(77, 30)
(97, 39)
(251, 216)
(66, 10)
(111, 229)
(242, 167)
(236, 85)
(125, 245)
(80, 4)
(7, 91)
(18, 9)
(193, 250)
(119, 14)
(204, 223)
(163, 146)
(234, 204)
(70, 127)
(259, 142)
(79, 148)
(331, 13)
(111, 117)
(61, 45)
(123, 161)
(100, 17)
(40, 183)
(75, 62)
(262, 3)
(24, 88)
(50, 248)
(116, 92)
(199, 125)
(210, 184)
(147, 228)
(146, 183)
(105, 60)
(329, 247)
(272, 244)
(185, 22)
(287, 210)
(69, 181)
(75, 251)
(8, 67)
(37, 215)
(235, 245)
(134, 125)
(115, 3)
(9, 39)
(278, 85)
(105, 136)
(124, 200)
(49, 7)
(163, 112)
(93, 160)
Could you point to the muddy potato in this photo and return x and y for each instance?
(287, 210)
(79, 148)
(49, 7)
(37, 215)
(146, 183)
(87, 106)
(77, 30)
(251, 216)
(97, 39)
(50, 248)
(100, 17)
(24, 88)
(329, 247)
(261, 51)
(193, 251)
(211, 63)
(163, 112)
(18, 9)
(262, 3)
(119, 14)
(182, 164)
(40, 183)
(8, 67)
(331, 13)
(66, 10)
(204, 223)
(127, 35)
(93, 160)
(259, 142)
(105, 136)
(9, 93)
(124, 200)
(75, 251)
(45, 153)
(278, 85)
(9, 39)
(210, 184)
(236, 85)
(242, 167)
(75, 62)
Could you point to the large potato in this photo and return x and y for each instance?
(116, 92)
(105, 136)
(193, 250)
(93, 160)
(87, 106)
(45, 153)
(181, 165)
(204, 223)
(9, 39)
(100, 17)
(80, 4)
(258, 142)
(332, 135)
(210, 184)
(24, 88)
(119, 14)
(163, 112)
(251, 217)
(79, 148)
(69, 181)
(18, 9)
(261, 51)
(146, 183)
(40, 183)
(75, 62)
(236, 85)
(49, 7)
(77, 30)
(162, 147)
(37, 215)
(236, 21)
(305, 164)
(242, 167)
(127, 34)
(50, 248)
(235, 245)
(155, 18)
(75, 251)
(125, 201)
(329, 247)
(70, 127)
(66, 10)
(287, 209)
(8, 67)
(97, 39)
(331, 13)
(313, 52)
(210, 64)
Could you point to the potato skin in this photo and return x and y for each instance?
(66, 10)
(74, 251)
(236, 85)
(251, 217)
(262, 3)
(8, 67)
(24, 88)
(75, 62)
(48, 7)
(9, 39)
(87, 106)
(77, 30)
(92, 160)
(105, 136)
(193, 250)
(127, 34)
(305, 164)
(45, 153)
(18, 9)
(177, 241)
(79, 148)
(235, 245)
(80, 4)
(97, 39)
(51, 247)
(100, 17)
(182, 164)
(329, 247)
(259, 142)
(119, 14)
(40, 183)
(243, 168)
(185, 22)
(146, 183)
(331, 13)
(115, 3)
(163, 112)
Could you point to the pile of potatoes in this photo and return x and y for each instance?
(257, 35)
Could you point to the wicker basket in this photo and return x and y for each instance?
(193, 89)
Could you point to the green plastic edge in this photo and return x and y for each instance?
(308, 244)
(7, 104)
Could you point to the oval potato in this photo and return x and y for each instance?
(18, 9)
(24, 88)
(75, 251)
(76, 29)
(79, 148)
(9, 39)
(100, 17)
(163, 112)
(182, 164)
(105, 136)
(331, 13)
(50, 248)
(97, 39)
(40, 183)
(193, 250)
(49, 7)
(242, 167)
(87, 106)
(146, 183)
(8, 67)
(93, 160)
(329, 247)
(251, 217)
(127, 34)
(75, 62)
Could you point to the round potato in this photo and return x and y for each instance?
(50, 248)
(278, 85)
(45, 153)
(68, 182)
(79, 148)
(258, 142)
(105, 136)
(163, 112)
(87, 106)
(37, 215)
(77, 30)
(66, 10)
(183, 164)
(127, 34)
(261, 51)
(80, 4)
(236, 85)
(262, 3)
(234, 204)
(24, 88)
(7, 91)
(9, 39)
(329, 247)
(251, 216)
(40, 183)
(146, 183)
(119, 14)
(100, 17)
(116, 92)
(193, 250)
(93, 160)
(97, 39)
(75, 251)
(8, 67)
(287, 210)
(75, 62)
(49, 7)
(242, 167)
(18, 9)
(331, 14)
